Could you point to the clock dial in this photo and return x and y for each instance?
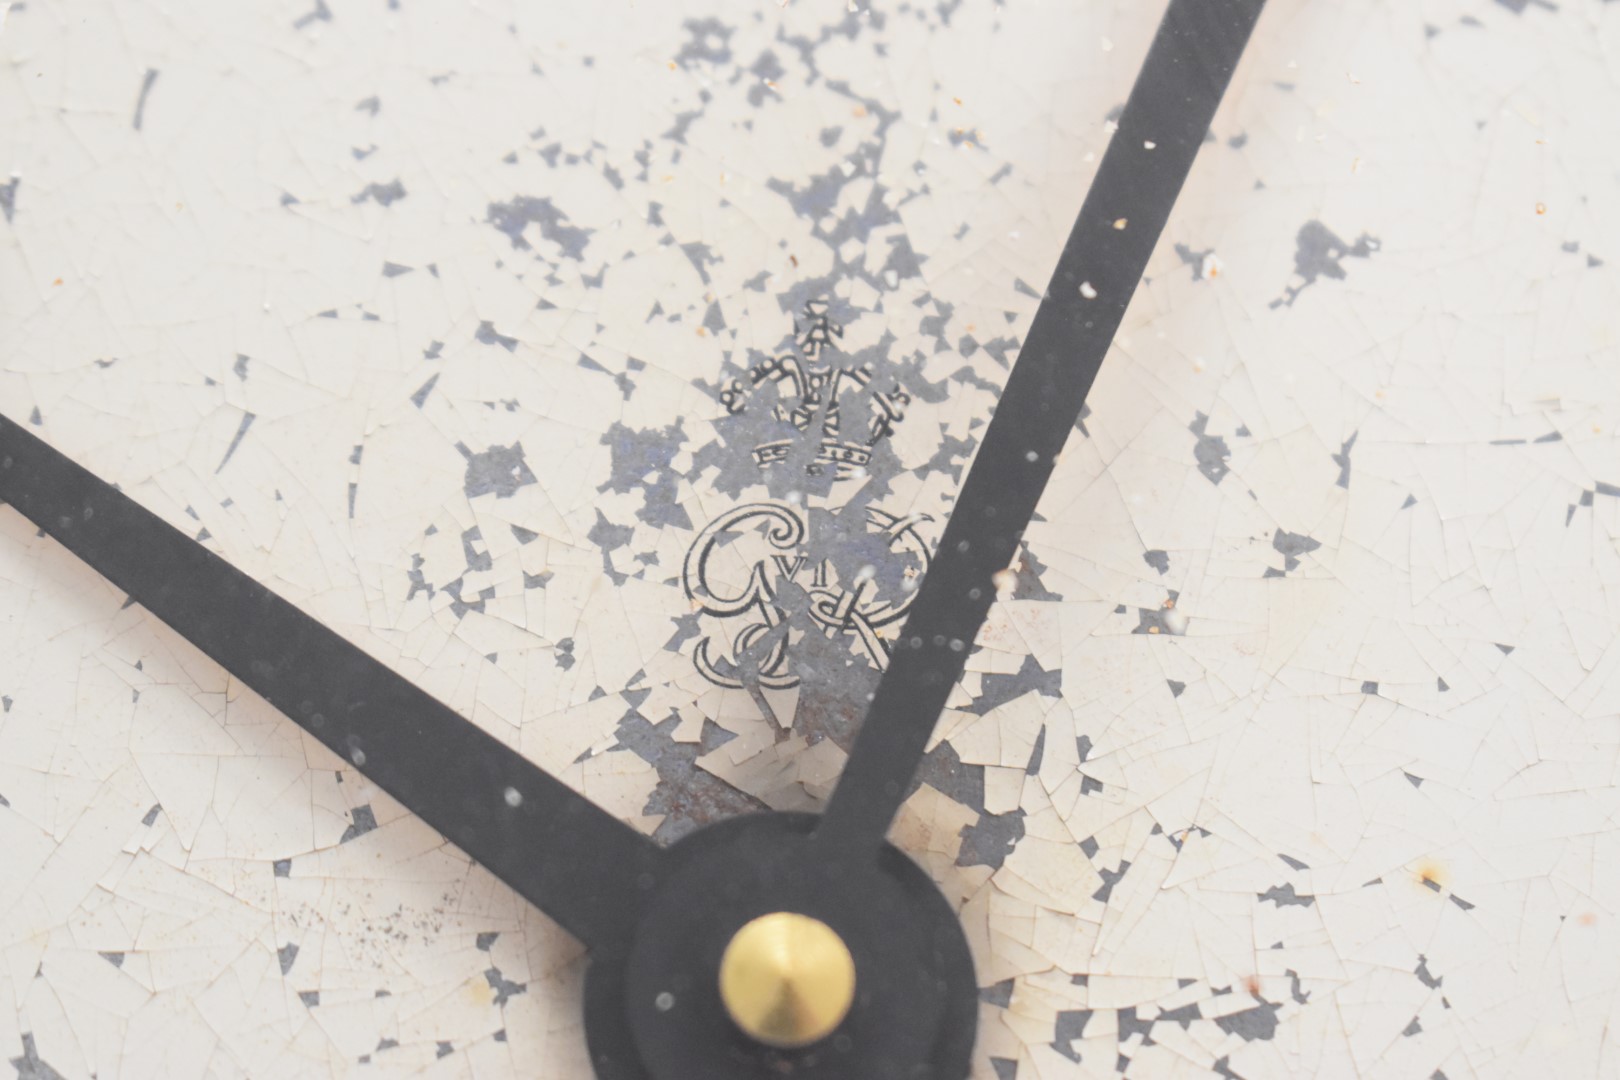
(610, 374)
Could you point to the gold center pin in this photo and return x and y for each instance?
(787, 980)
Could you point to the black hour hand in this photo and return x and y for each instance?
(573, 860)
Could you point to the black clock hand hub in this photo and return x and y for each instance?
(665, 926)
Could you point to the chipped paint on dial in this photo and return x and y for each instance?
(610, 371)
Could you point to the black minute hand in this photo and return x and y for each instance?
(573, 860)
(1166, 119)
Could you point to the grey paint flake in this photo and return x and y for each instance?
(1291, 546)
(500, 470)
(1193, 259)
(381, 194)
(1030, 678)
(515, 216)
(1068, 1026)
(991, 840)
(362, 821)
(236, 440)
(1210, 451)
(29, 1066)
(1259, 1022)
(1342, 460)
(1320, 253)
(689, 796)
(321, 13)
(1284, 896)
(419, 398)
(999, 995)
(643, 460)
(505, 989)
(708, 42)
(487, 334)
(1110, 879)
(140, 99)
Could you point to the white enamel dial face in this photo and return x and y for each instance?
(609, 370)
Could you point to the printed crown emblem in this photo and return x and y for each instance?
(813, 390)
